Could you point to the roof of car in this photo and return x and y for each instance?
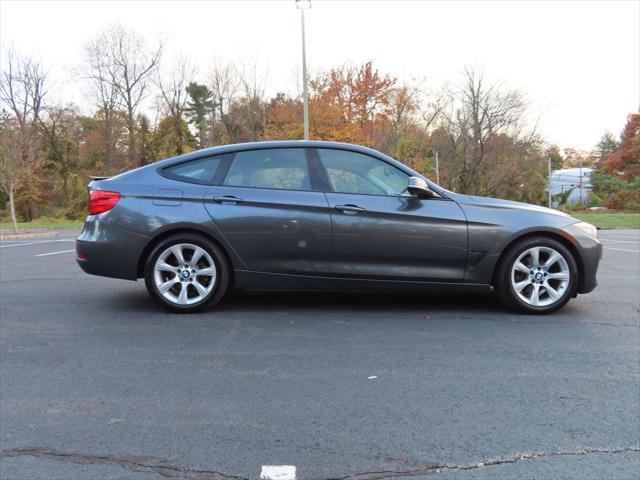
(275, 144)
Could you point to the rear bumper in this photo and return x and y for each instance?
(590, 251)
(104, 250)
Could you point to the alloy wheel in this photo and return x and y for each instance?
(540, 276)
(184, 274)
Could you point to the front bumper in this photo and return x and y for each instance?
(589, 255)
(102, 249)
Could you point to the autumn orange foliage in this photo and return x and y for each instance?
(626, 161)
(348, 102)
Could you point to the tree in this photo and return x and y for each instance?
(22, 92)
(370, 92)
(249, 110)
(479, 113)
(10, 155)
(224, 85)
(173, 92)
(402, 106)
(618, 181)
(238, 103)
(63, 134)
(330, 109)
(147, 153)
(349, 103)
(97, 71)
(607, 144)
(625, 161)
(199, 109)
(554, 155)
(283, 120)
(574, 158)
(163, 140)
(129, 64)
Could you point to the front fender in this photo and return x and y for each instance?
(493, 228)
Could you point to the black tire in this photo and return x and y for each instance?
(503, 284)
(222, 278)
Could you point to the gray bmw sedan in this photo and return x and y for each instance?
(324, 215)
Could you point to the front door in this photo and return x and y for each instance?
(380, 231)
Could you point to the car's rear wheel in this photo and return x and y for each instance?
(186, 272)
(537, 275)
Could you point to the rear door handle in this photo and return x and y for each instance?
(228, 199)
(351, 209)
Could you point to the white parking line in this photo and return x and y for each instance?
(54, 253)
(38, 243)
(278, 472)
(622, 250)
(621, 241)
(620, 235)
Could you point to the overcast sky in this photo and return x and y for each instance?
(577, 62)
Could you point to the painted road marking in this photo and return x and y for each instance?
(622, 250)
(621, 235)
(621, 241)
(55, 253)
(38, 243)
(278, 472)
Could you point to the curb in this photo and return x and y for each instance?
(27, 234)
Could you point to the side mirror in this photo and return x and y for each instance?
(419, 188)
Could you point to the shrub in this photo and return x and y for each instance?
(594, 200)
(616, 192)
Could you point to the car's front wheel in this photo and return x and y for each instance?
(186, 272)
(537, 275)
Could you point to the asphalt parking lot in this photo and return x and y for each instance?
(97, 382)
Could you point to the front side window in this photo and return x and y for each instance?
(198, 171)
(279, 168)
(352, 172)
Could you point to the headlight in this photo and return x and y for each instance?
(588, 229)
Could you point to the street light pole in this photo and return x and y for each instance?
(549, 187)
(302, 6)
(437, 169)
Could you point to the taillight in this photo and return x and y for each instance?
(101, 201)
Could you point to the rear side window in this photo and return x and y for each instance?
(279, 168)
(197, 171)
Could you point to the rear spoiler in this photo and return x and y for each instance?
(96, 177)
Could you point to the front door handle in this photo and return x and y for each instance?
(228, 199)
(350, 209)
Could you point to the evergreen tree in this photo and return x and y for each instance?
(199, 107)
(607, 144)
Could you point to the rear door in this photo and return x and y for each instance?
(380, 231)
(268, 210)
